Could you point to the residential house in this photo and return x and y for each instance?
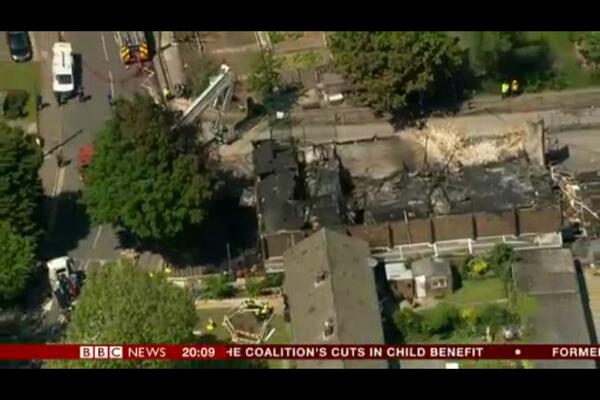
(433, 277)
(332, 296)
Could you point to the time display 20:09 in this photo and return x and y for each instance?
(199, 352)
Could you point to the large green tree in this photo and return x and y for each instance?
(491, 52)
(21, 190)
(121, 304)
(17, 260)
(391, 71)
(145, 175)
(264, 78)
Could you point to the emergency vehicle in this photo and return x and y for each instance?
(133, 47)
(63, 82)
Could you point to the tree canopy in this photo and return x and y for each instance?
(391, 71)
(145, 175)
(491, 52)
(21, 190)
(265, 74)
(17, 260)
(121, 304)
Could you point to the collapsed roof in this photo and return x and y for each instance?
(292, 194)
(492, 188)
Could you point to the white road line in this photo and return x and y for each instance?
(61, 181)
(55, 184)
(112, 84)
(104, 46)
(97, 238)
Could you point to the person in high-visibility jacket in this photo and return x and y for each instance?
(211, 325)
(514, 87)
(505, 88)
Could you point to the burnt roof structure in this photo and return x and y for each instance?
(332, 296)
(492, 188)
(279, 186)
(291, 194)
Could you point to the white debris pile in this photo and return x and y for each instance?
(447, 145)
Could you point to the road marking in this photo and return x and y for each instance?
(60, 181)
(97, 238)
(104, 46)
(112, 83)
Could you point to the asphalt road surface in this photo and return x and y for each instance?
(76, 124)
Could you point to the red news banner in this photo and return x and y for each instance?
(296, 352)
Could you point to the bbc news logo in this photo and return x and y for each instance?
(101, 352)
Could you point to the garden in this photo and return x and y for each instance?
(19, 82)
(486, 307)
(541, 60)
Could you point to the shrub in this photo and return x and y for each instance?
(15, 103)
(442, 319)
(477, 267)
(409, 323)
(468, 317)
(254, 286)
(501, 259)
(273, 280)
(494, 316)
(217, 287)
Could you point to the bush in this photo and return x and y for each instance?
(494, 316)
(273, 280)
(15, 104)
(443, 319)
(409, 323)
(254, 287)
(501, 259)
(477, 267)
(217, 287)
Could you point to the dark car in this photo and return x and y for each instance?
(19, 46)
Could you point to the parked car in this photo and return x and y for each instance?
(19, 46)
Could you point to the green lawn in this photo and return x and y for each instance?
(563, 50)
(23, 76)
(478, 291)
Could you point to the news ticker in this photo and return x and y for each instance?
(295, 352)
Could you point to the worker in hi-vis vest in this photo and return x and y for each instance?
(514, 87)
(505, 88)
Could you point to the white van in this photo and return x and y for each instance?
(63, 82)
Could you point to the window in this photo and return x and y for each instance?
(64, 79)
(439, 283)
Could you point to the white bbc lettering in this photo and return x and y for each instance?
(116, 352)
(86, 351)
(100, 351)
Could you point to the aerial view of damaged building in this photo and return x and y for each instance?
(362, 252)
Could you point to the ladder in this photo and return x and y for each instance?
(218, 95)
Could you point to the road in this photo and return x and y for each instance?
(72, 126)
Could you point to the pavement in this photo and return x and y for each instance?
(171, 58)
(72, 126)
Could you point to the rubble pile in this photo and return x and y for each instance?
(446, 145)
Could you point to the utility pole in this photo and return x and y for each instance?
(229, 261)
